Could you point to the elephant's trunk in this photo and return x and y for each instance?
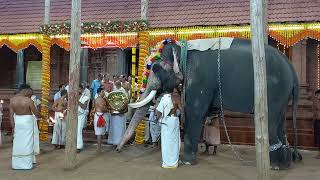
(153, 84)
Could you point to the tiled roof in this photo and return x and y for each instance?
(25, 16)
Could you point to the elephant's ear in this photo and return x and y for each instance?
(175, 61)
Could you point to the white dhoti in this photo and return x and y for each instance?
(59, 131)
(170, 142)
(23, 142)
(117, 128)
(170, 133)
(82, 117)
(155, 128)
(101, 130)
(36, 137)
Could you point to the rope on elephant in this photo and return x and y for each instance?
(236, 153)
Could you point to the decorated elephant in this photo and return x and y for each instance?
(237, 83)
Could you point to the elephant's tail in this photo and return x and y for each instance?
(295, 99)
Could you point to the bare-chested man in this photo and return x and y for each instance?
(101, 119)
(316, 120)
(59, 128)
(22, 109)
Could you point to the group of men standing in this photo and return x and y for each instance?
(105, 121)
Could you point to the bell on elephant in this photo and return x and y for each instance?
(237, 82)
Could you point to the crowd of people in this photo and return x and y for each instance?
(92, 99)
(162, 126)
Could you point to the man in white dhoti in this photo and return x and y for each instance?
(83, 111)
(211, 134)
(59, 128)
(36, 102)
(170, 131)
(58, 94)
(101, 118)
(117, 122)
(22, 121)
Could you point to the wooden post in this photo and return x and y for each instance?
(144, 9)
(47, 12)
(258, 32)
(73, 96)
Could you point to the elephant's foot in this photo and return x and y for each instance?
(296, 156)
(118, 149)
(188, 163)
(280, 159)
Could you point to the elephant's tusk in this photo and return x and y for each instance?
(144, 101)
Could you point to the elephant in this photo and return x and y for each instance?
(237, 83)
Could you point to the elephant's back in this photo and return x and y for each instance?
(237, 64)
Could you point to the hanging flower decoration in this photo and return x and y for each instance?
(96, 27)
(150, 60)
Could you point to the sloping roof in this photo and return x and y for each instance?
(25, 16)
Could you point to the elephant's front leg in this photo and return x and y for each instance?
(195, 112)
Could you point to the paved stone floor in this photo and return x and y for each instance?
(141, 163)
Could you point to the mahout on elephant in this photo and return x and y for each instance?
(237, 82)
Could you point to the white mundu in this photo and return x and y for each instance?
(59, 130)
(82, 118)
(23, 142)
(100, 130)
(170, 133)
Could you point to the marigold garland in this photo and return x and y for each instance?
(96, 27)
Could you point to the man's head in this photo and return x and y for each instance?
(106, 77)
(100, 92)
(117, 84)
(29, 92)
(100, 76)
(23, 89)
(129, 79)
(64, 93)
(122, 78)
(317, 94)
(61, 87)
(84, 84)
(108, 87)
(81, 88)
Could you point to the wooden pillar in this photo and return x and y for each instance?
(258, 12)
(84, 65)
(20, 68)
(74, 76)
(46, 12)
(144, 9)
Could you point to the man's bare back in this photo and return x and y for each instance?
(100, 105)
(22, 105)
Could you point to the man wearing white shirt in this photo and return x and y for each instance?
(58, 94)
(83, 111)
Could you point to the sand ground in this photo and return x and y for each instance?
(144, 163)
